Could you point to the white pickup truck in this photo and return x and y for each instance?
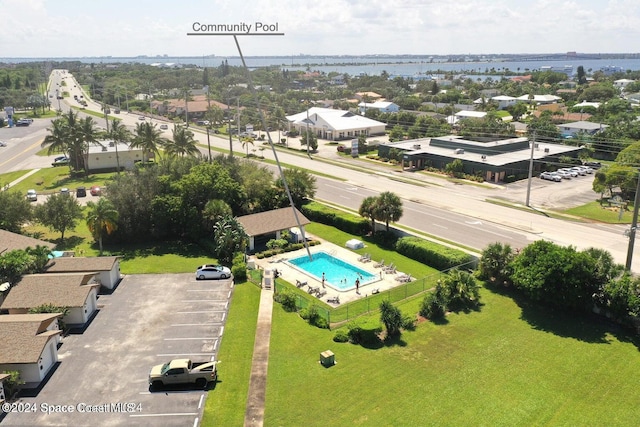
(183, 371)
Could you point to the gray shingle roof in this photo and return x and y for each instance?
(62, 290)
(271, 221)
(23, 337)
(12, 241)
(80, 264)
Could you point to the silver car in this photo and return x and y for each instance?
(212, 271)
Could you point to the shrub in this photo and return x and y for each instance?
(341, 336)
(408, 322)
(312, 315)
(355, 333)
(239, 272)
(13, 383)
(350, 223)
(287, 300)
(432, 307)
(431, 254)
(391, 317)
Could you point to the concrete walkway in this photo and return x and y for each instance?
(254, 415)
(25, 176)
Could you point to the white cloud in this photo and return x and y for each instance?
(38, 28)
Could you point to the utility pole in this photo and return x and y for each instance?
(229, 126)
(533, 144)
(209, 123)
(634, 226)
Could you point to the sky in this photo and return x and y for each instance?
(81, 28)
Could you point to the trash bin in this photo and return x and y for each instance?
(327, 358)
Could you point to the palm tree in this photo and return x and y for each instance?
(389, 208)
(118, 133)
(57, 140)
(101, 218)
(185, 93)
(368, 210)
(229, 238)
(246, 142)
(182, 144)
(462, 288)
(147, 138)
(87, 134)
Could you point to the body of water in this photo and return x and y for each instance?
(407, 66)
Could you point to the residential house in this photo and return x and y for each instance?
(197, 105)
(539, 99)
(569, 130)
(12, 241)
(77, 292)
(465, 114)
(368, 96)
(29, 345)
(105, 268)
(335, 125)
(622, 83)
(504, 101)
(382, 106)
(264, 226)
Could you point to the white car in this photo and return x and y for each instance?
(569, 172)
(551, 176)
(32, 196)
(212, 271)
(579, 170)
(164, 127)
(3, 144)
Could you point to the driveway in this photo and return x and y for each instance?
(147, 320)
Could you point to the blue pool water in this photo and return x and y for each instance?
(56, 254)
(338, 274)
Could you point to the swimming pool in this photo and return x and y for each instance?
(338, 274)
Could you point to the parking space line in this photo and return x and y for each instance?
(221, 331)
(197, 324)
(203, 290)
(195, 422)
(178, 339)
(201, 400)
(184, 354)
(202, 300)
(191, 414)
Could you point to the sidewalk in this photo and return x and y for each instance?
(254, 415)
(23, 177)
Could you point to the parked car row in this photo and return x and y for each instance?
(566, 173)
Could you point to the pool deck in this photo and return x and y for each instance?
(384, 282)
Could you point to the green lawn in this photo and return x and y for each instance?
(226, 404)
(9, 177)
(602, 213)
(505, 365)
(50, 180)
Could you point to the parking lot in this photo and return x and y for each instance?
(147, 320)
(547, 194)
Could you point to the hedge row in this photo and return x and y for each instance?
(431, 254)
(347, 222)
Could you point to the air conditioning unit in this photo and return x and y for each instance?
(536, 146)
(546, 150)
(458, 151)
(484, 158)
(416, 146)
